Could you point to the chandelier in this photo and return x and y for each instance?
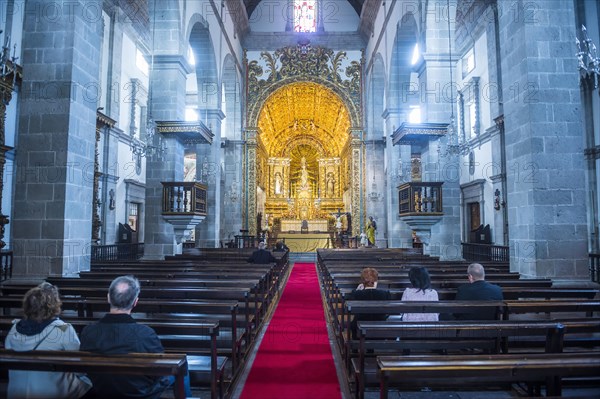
(455, 144)
(587, 56)
(152, 144)
(8, 62)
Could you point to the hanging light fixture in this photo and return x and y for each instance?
(8, 62)
(587, 56)
(374, 195)
(454, 144)
(151, 144)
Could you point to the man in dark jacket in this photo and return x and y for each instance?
(261, 255)
(118, 333)
(478, 290)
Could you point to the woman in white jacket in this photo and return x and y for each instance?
(41, 329)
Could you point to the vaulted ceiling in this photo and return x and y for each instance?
(304, 114)
(252, 4)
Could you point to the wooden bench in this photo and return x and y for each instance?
(231, 341)
(395, 338)
(533, 369)
(150, 364)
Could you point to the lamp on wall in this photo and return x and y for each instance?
(587, 56)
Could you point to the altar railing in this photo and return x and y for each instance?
(420, 198)
(184, 198)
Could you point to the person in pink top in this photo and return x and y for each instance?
(420, 291)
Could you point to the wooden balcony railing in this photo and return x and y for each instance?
(595, 267)
(127, 251)
(6, 265)
(420, 198)
(184, 198)
(485, 252)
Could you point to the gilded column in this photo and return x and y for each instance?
(250, 180)
(357, 180)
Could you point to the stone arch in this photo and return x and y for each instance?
(231, 98)
(400, 69)
(209, 93)
(376, 96)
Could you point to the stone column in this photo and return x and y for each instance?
(208, 232)
(167, 104)
(231, 211)
(544, 146)
(398, 172)
(56, 139)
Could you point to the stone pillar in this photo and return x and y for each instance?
(167, 104)
(398, 172)
(208, 232)
(375, 184)
(56, 139)
(231, 210)
(544, 147)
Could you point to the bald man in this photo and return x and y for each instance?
(478, 290)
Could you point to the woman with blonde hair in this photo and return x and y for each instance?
(42, 329)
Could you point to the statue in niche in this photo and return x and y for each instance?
(278, 183)
(303, 175)
(330, 185)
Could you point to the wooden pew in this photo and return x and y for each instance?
(177, 337)
(150, 364)
(502, 310)
(389, 338)
(538, 368)
(230, 341)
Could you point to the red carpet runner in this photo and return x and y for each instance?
(294, 360)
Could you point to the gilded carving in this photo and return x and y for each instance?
(319, 64)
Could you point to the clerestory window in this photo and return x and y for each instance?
(305, 15)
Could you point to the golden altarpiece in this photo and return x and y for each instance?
(304, 153)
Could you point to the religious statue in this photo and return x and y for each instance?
(330, 188)
(303, 175)
(278, 183)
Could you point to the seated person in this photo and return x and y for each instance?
(367, 291)
(478, 290)
(41, 329)
(118, 333)
(261, 255)
(420, 291)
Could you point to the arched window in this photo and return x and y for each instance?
(305, 15)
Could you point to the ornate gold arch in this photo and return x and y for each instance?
(304, 113)
(304, 106)
(294, 64)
